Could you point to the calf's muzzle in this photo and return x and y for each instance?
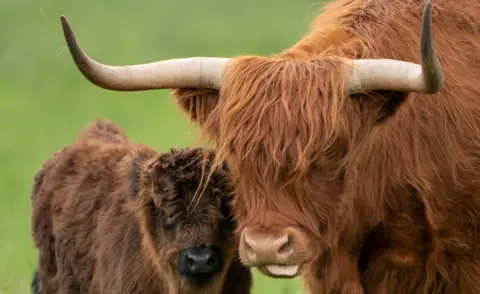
(199, 264)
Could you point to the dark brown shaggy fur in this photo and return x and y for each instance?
(110, 216)
(386, 184)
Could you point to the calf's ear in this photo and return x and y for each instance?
(151, 172)
(169, 167)
(157, 179)
(154, 171)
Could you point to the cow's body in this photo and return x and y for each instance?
(98, 229)
(376, 192)
(397, 200)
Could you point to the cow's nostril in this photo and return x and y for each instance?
(248, 243)
(286, 246)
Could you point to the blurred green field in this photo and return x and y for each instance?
(45, 101)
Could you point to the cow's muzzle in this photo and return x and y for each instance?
(274, 253)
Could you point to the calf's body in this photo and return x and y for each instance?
(113, 216)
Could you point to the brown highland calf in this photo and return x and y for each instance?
(112, 216)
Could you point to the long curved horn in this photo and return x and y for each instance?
(195, 72)
(386, 74)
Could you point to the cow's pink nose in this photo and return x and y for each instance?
(265, 249)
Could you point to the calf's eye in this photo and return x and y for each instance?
(166, 222)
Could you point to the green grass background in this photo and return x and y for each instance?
(45, 101)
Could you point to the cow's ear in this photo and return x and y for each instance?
(197, 103)
(381, 104)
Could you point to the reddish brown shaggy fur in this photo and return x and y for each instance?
(386, 185)
(110, 216)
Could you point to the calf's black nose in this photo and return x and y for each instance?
(199, 260)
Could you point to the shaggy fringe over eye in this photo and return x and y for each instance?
(274, 116)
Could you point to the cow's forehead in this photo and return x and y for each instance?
(267, 168)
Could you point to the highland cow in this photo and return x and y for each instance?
(113, 216)
(353, 166)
